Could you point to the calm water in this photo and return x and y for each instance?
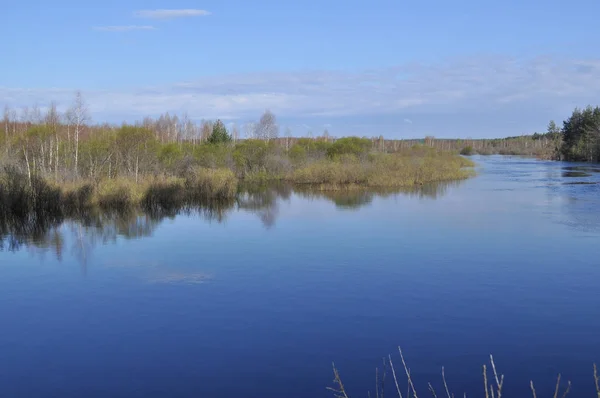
(258, 299)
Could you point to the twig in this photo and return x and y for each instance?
(557, 386)
(395, 379)
(568, 390)
(485, 384)
(432, 390)
(383, 377)
(341, 393)
(410, 383)
(445, 384)
(532, 389)
(596, 380)
(499, 382)
(376, 383)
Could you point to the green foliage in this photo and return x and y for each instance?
(213, 156)
(581, 135)
(169, 155)
(351, 146)
(219, 134)
(251, 156)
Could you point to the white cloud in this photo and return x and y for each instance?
(170, 14)
(524, 92)
(123, 28)
(408, 121)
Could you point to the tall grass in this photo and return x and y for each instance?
(385, 170)
(21, 195)
(493, 382)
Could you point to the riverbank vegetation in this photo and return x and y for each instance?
(67, 161)
(390, 380)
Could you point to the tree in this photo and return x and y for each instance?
(79, 114)
(52, 120)
(219, 134)
(235, 133)
(288, 136)
(581, 135)
(6, 122)
(267, 128)
(553, 128)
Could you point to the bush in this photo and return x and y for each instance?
(251, 156)
(467, 151)
(118, 194)
(164, 196)
(207, 183)
(349, 146)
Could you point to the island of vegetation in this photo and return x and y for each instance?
(64, 161)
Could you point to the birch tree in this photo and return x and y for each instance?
(267, 128)
(80, 115)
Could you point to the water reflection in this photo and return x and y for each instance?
(575, 189)
(82, 232)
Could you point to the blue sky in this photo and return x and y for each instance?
(467, 68)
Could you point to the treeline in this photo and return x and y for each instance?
(52, 162)
(67, 147)
(580, 135)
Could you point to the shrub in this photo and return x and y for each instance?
(164, 195)
(251, 156)
(118, 194)
(207, 183)
(467, 151)
(349, 146)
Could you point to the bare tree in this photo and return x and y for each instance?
(6, 122)
(206, 130)
(267, 128)
(250, 130)
(52, 120)
(288, 136)
(235, 133)
(79, 112)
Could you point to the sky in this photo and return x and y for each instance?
(397, 68)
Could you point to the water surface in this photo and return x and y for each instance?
(258, 298)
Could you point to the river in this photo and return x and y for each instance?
(258, 298)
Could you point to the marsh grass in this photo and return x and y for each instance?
(385, 170)
(493, 382)
(212, 183)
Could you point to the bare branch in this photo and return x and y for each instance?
(557, 386)
(445, 384)
(532, 389)
(341, 392)
(432, 390)
(568, 390)
(596, 380)
(410, 383)
(395, 378)
(485, 383)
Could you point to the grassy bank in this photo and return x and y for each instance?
(159, 178)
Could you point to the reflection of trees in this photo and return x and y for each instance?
(82, 232)
(359, 197)
(574, 189)
(262, 202)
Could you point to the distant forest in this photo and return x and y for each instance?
(56, 143)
